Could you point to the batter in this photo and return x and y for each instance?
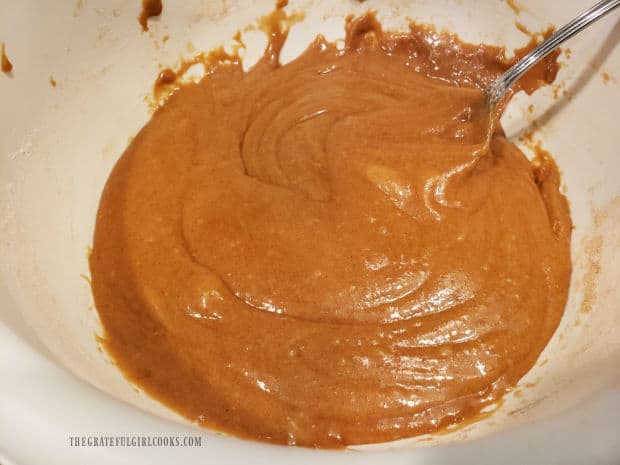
(323, 253)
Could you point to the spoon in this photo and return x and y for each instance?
(496, 92)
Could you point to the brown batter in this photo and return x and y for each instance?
(322, 253)
(5, 63)
(150, 8)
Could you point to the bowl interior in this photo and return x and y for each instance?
(58, 145)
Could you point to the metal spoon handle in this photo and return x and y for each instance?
(501, 85)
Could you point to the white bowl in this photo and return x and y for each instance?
(58, 145)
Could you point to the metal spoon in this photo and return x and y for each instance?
(495, 92)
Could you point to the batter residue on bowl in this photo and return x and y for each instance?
(322, 253)
(5, 63)
(150, 8)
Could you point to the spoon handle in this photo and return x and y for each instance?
(497, 90)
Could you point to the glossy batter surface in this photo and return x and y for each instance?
(324, 253)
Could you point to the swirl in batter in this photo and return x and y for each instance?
(323, 253)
